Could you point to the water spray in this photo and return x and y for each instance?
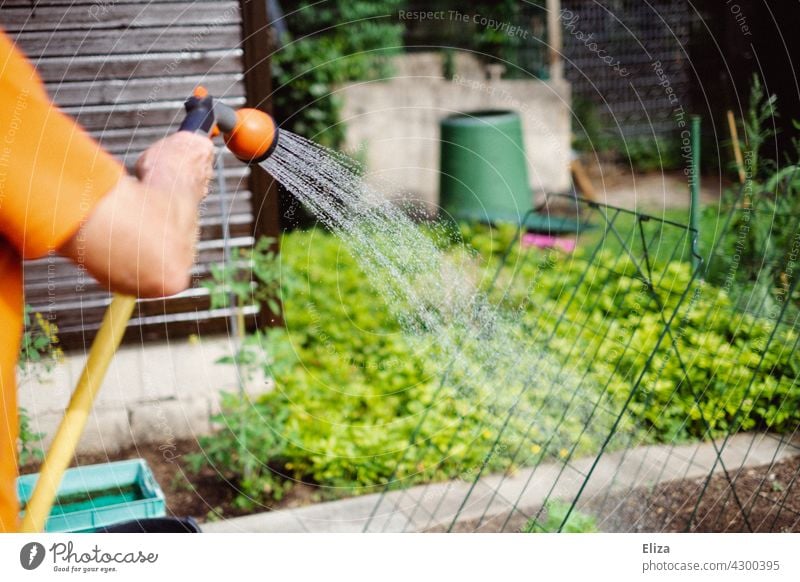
(252, 136)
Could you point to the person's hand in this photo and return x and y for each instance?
(141, 235)
(178, 164)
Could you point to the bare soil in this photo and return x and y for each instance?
(652, 192)
(204, 496)
(767, 500)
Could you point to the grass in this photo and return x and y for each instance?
(669, 238)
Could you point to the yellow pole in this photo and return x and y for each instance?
(69, 431)
(737, 152)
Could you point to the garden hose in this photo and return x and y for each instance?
(252, 136)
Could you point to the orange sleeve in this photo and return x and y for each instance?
(51, 172)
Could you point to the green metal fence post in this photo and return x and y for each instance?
(694, 187)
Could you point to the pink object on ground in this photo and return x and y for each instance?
(546, 241)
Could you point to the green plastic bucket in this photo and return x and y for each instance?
(484, 173)
(96, 496)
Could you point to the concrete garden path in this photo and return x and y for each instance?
(433, 507)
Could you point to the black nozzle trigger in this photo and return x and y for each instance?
(199, 115)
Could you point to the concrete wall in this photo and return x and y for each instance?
(393, 125)
(153, 394)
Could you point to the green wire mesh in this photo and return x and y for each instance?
(616, 356)
(597, 363)
(755, 423)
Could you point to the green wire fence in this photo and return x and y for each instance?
(615, 328)
(624, 282)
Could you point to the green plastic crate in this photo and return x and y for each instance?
(100, 495)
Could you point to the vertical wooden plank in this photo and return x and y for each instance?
(257, 46)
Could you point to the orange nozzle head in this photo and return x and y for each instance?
(254, 136)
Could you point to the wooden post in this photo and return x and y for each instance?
(737, 151)
(554, 44)
(257, 47)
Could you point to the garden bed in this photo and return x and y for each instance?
(352, 386)
(205, 496)
(664, 508)
(769, 494)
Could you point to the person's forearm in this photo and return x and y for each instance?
(138, 240)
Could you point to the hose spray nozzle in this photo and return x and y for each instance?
(249, 133)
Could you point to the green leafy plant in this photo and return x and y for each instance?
(330, 43)
(503, 32)
(29, 450)
(734, 380)
(587, 127)
(258, 467)
(641, 154)
(253, 278)
(757, 246)
(448, 64)
(39, 350)
(494, 41)
(39, 353)
(556, 512)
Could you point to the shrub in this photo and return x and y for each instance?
(717, 376)
(758, 248)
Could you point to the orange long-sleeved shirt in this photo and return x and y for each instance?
(51, 176)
